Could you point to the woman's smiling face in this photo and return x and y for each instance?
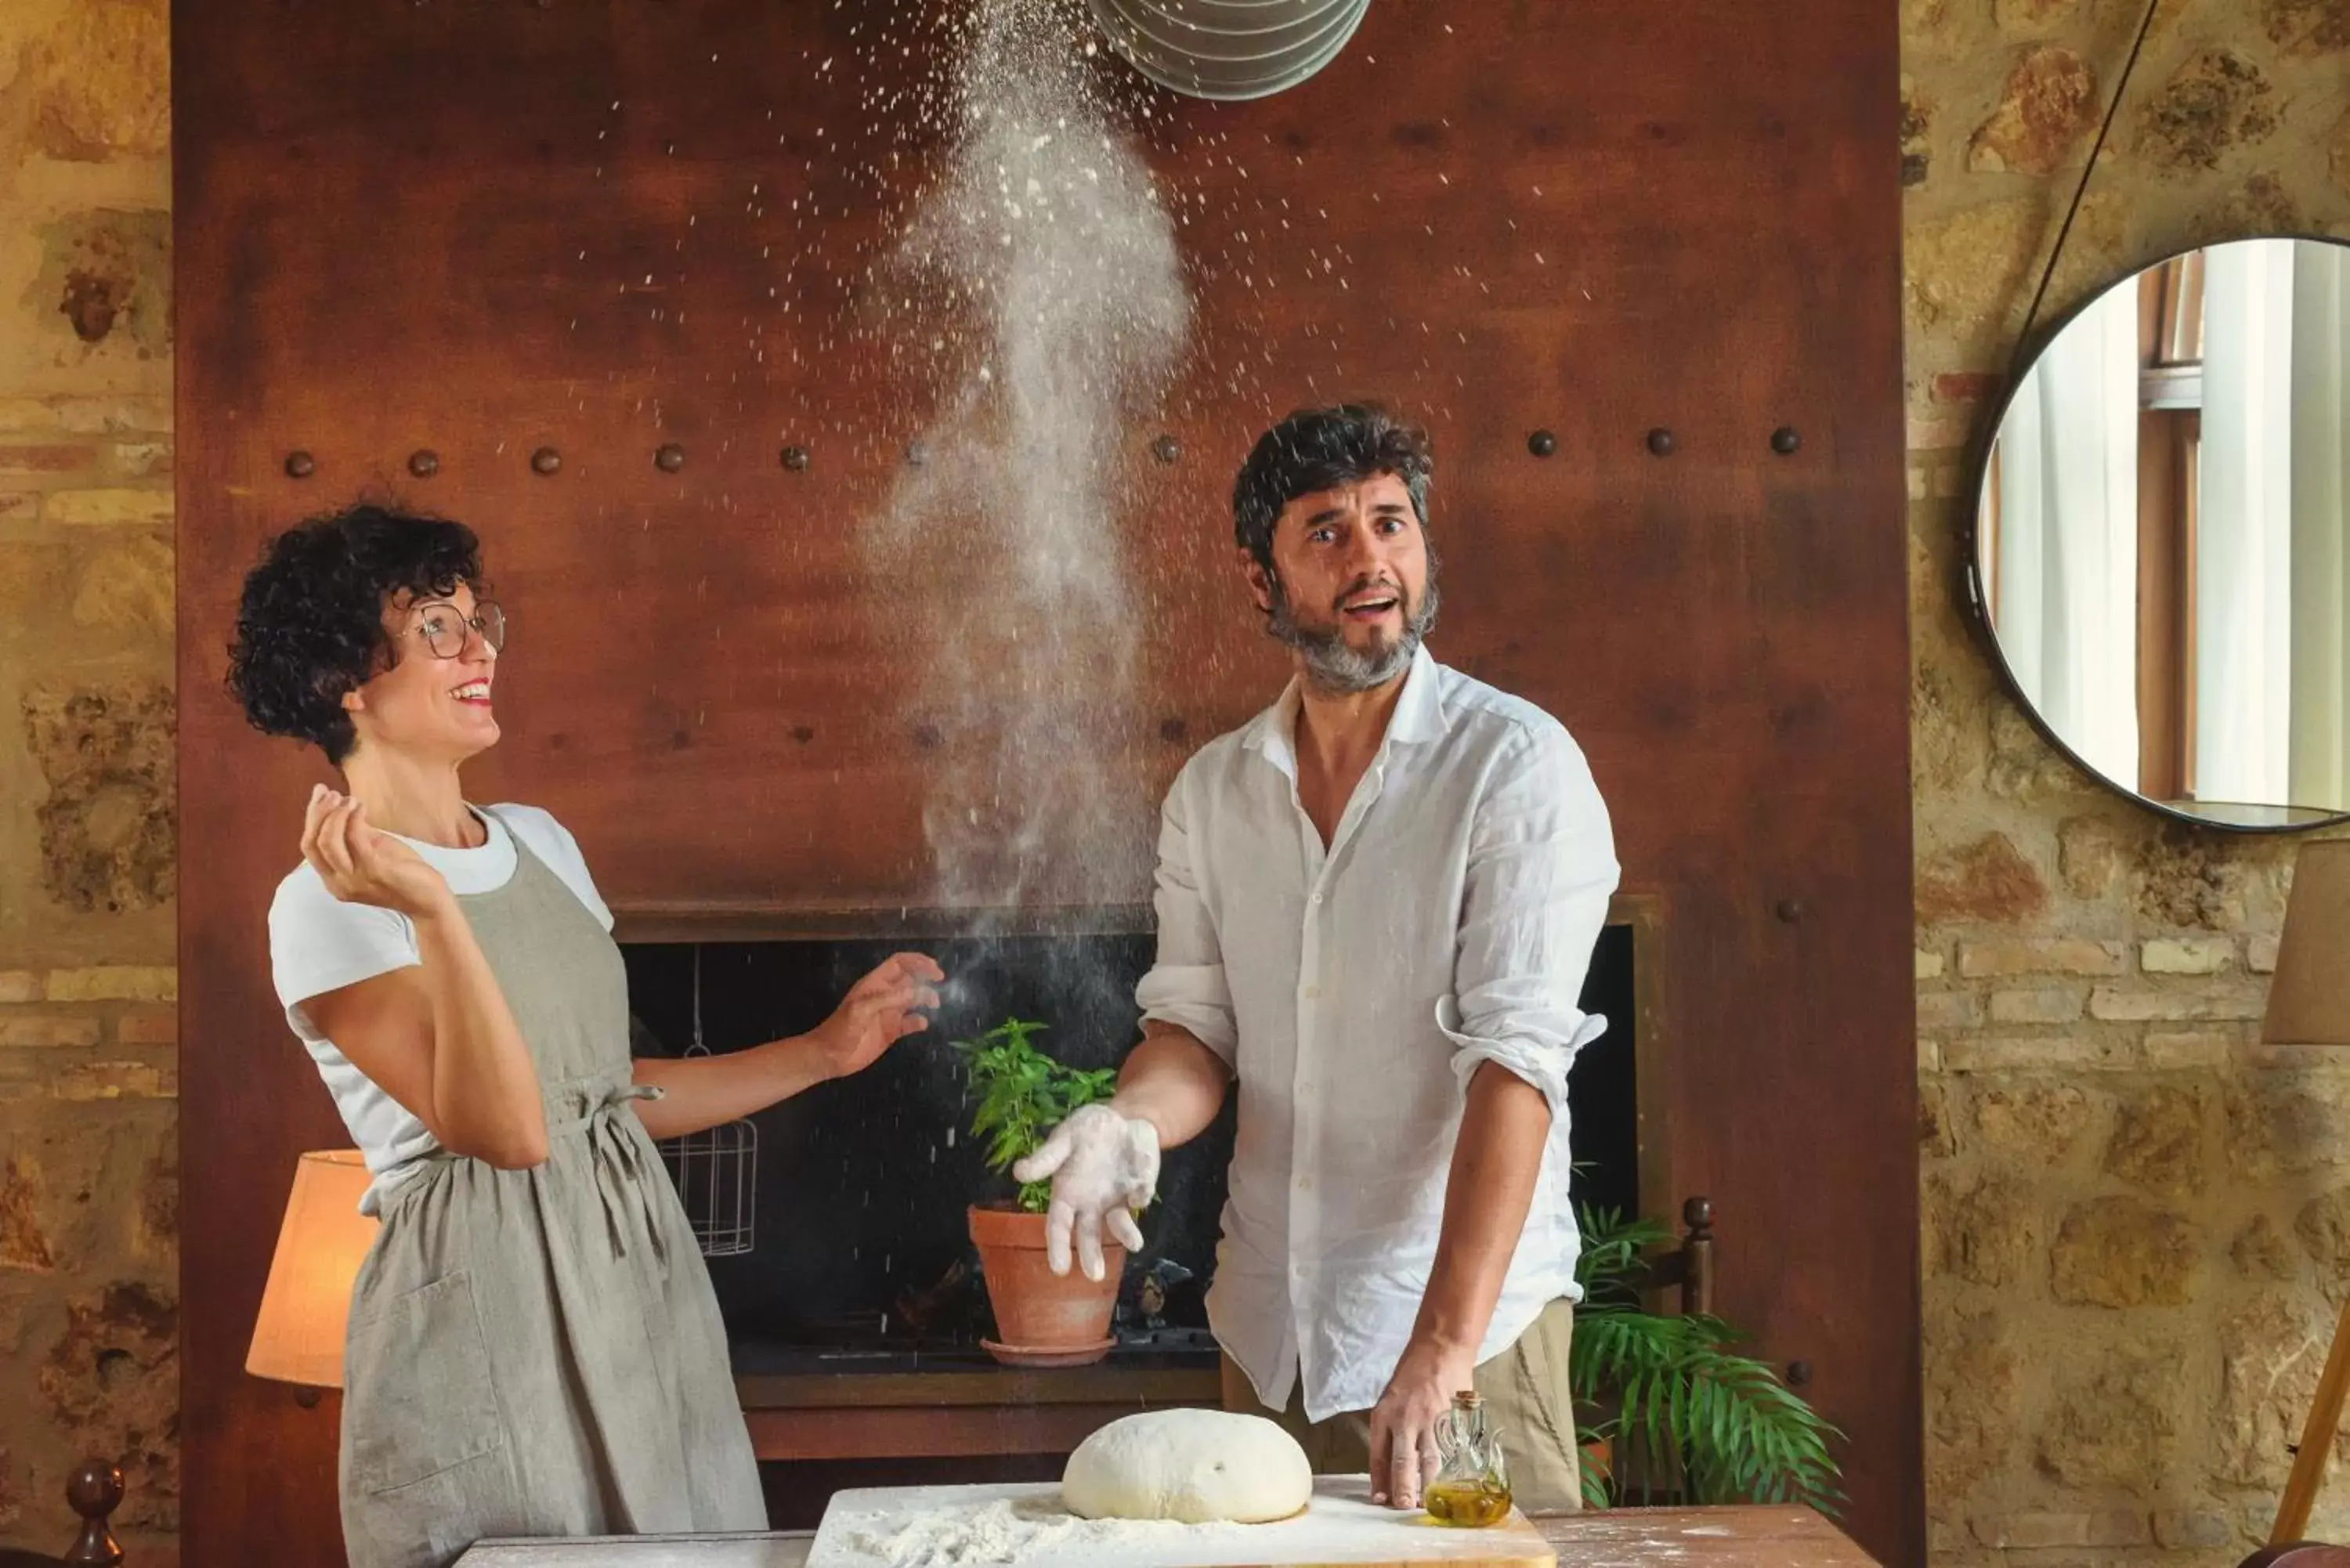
(433, 702)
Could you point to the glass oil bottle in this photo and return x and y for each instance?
(1472, 1489)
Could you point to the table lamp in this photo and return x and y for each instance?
(298, 1337)
(2309, 1004)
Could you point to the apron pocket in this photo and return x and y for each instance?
(427, 1405)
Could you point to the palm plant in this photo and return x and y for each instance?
(1683, 1400)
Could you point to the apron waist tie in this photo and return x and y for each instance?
(613, 1157)
(613, 1101)
(620, 1174)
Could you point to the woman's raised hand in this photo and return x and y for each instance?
(362, 865)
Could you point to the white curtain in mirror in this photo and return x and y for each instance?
(2269, 561)
(2243, 553)
(2321, 521)
(2067, 541)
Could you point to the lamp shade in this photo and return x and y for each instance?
(2309, 1000)
(298, 1334)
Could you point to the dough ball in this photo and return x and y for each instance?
(1197, 1465)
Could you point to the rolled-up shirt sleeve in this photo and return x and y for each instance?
(1186, 986)
(1541, 867)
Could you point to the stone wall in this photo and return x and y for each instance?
(2137, 1219)
(88, 1268)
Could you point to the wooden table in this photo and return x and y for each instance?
(1623, 1538)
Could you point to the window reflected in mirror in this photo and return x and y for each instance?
(2160, 539)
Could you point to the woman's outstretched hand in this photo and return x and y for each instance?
(879, 1011)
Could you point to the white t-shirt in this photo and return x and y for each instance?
(318, 943)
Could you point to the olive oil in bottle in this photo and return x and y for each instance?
(1467, 1503)
(1472, 1489)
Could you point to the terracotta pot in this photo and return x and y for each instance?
(1042, 1318)
(1598, 1456)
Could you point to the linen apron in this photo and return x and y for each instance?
(539, 1352)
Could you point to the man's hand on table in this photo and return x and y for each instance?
(1404, 1457)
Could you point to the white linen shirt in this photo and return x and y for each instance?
(1353, 992)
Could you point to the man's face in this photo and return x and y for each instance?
(1352, 585)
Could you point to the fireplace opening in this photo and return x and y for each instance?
(859, 1256)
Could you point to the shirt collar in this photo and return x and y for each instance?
(1419, 715)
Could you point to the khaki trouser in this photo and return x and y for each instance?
(1526, 1397)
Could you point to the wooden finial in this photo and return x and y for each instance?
(95, 1491)
(1697, 1247)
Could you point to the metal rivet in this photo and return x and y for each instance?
(929, 737)
(424, 463)
(796, 458)
(669, 457)
(300, 465)
(1791, 909)
(1798, 1374)
(1542, 443)
(1785, 440)
(1660, 442)
(916, 454)
(1173, 728)
(545, 460)
(1167, 448)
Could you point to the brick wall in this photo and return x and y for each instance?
(88, 1039)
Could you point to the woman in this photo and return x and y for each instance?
(534, 1347)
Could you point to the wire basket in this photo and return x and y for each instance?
(715, 1170)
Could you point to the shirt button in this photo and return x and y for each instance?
(1317, 898)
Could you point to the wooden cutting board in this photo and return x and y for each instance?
(1342, 1528)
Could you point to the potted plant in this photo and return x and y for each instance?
(1042, 1319)
(1671, 1408)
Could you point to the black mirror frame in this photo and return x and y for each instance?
(1975, 597)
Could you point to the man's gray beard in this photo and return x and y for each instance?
(1338, 670)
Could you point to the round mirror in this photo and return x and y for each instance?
(2162, 538)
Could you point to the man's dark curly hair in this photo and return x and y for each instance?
(310, 626)
(1325, 449)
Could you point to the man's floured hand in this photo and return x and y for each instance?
(1104, 1169)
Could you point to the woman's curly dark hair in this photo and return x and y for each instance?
(310, 626)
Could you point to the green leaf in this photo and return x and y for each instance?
(1019, 1094)
(1738, 1432)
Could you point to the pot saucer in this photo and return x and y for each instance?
(1047, 1356)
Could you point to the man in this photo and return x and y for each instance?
(1376, 904)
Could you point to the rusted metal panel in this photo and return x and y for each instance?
(491, 230)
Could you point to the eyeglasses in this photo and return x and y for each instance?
(445, 632)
